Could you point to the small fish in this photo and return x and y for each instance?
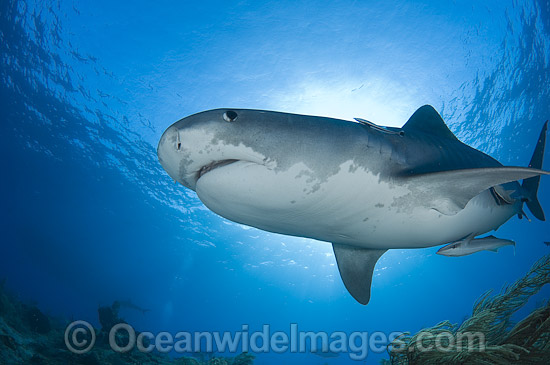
(470, 245)
(129, 305)
(326, 354)
(547, 243)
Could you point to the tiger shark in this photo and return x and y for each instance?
(363, 187)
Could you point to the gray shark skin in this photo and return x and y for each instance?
(363, 187)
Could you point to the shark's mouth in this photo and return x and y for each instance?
(212, 166)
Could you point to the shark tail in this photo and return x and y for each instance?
(531, 185)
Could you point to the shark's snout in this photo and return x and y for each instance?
(201, 143)
(167, 151)
(186, 150)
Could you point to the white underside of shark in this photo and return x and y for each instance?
(336, 211)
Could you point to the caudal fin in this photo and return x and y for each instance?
(531, 185)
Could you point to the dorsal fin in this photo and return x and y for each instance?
(427, 120)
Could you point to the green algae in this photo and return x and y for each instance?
(489, 335)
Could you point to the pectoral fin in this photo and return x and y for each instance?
(356, 266)
(449, 191)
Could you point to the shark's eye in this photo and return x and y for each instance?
(229, 116)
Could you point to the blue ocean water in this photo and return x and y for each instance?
(89, 216)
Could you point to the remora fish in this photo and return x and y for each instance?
(472, 245)
(129, 305)
(363, 187)
(326, 354)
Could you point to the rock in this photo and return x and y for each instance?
(86, 359)
(244, 359)
(8, 341)
(38, 321)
